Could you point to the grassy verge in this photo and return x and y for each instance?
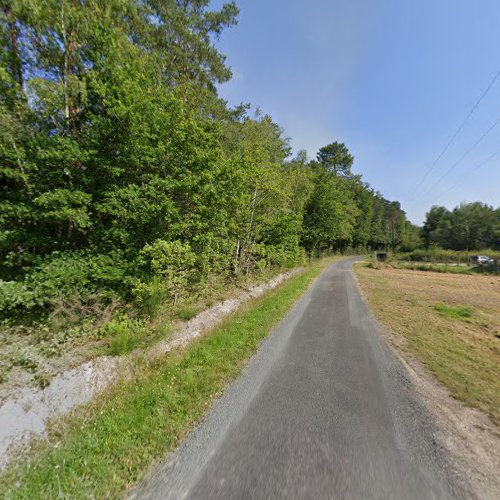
(106, 449)
(450, 322)
(442, 268)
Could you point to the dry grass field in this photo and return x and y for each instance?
(450, 322)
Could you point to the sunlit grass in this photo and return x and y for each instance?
(454, 312)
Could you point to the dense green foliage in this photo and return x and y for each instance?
(470, 226)
(124, 175)
(438, 254)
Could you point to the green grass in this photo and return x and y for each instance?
(437, 254)
(436, 268)
(123, 334)
(454, 312)
(108, 447)
(442, 268)
(187, 312)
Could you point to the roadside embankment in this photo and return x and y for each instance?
(27, 411)
(105, 447)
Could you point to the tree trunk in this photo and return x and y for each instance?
(15, 63)
(236, 265)
(69, 37)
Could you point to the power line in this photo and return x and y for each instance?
(495, 123)
(476, 168)
(459, 129)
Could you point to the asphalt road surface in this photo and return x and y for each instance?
(324, 410)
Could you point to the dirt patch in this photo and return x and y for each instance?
(469, 435)
(449, 360)
(25, 414)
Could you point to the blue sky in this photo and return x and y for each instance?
(393, 79)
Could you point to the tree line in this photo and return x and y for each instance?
(469, 226)
(124, 174)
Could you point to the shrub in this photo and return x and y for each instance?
(175, 262)
(81, 272)
(62, 276)
(436, 254)
(215, 255)
(264, 256)
(186, 312)
(283, 256)
(123, 334)
(14, 295)
(149, 296)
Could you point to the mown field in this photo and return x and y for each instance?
(450, 322)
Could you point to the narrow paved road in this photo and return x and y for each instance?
(324, 410)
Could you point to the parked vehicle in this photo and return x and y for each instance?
(481, 260)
